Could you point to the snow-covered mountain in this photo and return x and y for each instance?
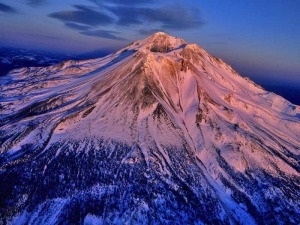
(12, 58)
(160, 132)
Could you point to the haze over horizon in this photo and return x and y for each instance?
(258, 38)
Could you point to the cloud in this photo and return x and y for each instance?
(35, 3)
(84, 15)
(103, 34)
(134, 12)
(76, 26)
(87, 20)
(122, 2)
(7, 9)
(97, 20)
(173, 17)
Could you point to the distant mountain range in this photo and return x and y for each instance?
(160, 132)
(12, 58)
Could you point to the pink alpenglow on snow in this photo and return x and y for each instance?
(160, 132)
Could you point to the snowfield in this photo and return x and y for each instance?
(160, 132)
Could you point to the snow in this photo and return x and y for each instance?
(93, 220)
(157, 94)
(102, 83)
(46, 213)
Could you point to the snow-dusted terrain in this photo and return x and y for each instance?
(160, 132)
(13, 58)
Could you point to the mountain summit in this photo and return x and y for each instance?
(160, 132)
(160, 42)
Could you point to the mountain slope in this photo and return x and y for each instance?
(157, 133)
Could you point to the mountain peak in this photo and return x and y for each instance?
(159, 42)
(160, 33)
(162, 42)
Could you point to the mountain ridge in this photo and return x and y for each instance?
(158, 133)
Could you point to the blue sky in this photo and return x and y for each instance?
(258, 37)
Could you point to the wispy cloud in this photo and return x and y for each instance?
(167, 17)
(76, 26)
(103, 34)
(84, 15)
(87, 20)
(123, 2)
(35, 3)
(107, 15)
(7, 9)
